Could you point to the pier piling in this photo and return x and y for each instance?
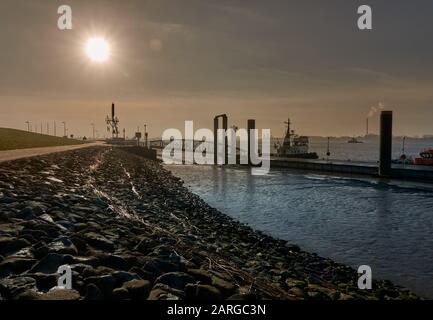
(385, 144)
(251, 126)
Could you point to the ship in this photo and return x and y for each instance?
(295, 146)
(425, 159)
(354, 140)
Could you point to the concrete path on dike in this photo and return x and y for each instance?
(9, 155)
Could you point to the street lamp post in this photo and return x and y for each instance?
(145, 136)
(328, 151)
(64, 129)
(93, 126)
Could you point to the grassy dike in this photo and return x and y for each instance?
(129, 229)
(12, 139)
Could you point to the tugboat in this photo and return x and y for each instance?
(295, 146)
(354, 140)
(426, 158)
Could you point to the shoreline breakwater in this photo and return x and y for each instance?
(129, 229)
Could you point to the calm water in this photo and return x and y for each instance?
(368, 150)
(353, 221)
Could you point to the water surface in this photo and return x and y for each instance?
(354, 221)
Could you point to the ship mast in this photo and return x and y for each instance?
(286, 142)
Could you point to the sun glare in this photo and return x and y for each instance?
(98, 49)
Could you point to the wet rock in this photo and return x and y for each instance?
(98, 241)
(105, 283)
(331, 294)
(123, 276)
(63, 245)
(44, 282)
(93, 293)
(202, 292)
(177, 280)
(113, 261)
(102, 270)
(291, 282)
(120, 294)
(11, 245)
(159, 294)
(40, 250)
(66, 224)
(80, 244)
(145, 246)
(317, 295)
(15, 265)
(159, 266)
(297, 292)
(201, 275)
(7, 200)
(143, 274)
(51, 263)
(37, 234)
(224, 286)
(138, 289)
(163, 292)
(88, 271)
(26, 214)
(28, 295)
(11, 287)
(61, 294)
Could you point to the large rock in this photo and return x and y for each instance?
(98, 241)
(201, 275)
(45, 282)
(158, 266)
(177, 280)
(51, 263)
(11, 287)
(105, 283)
(11, 245)
(113, 261)
(29, 295)
(224, 286)
(93, 293)
(163, 292)
(120, 294)
(138, 289)
(15, 265)
(7, 200)
(123, 276)
(61, 294)
(62, 245)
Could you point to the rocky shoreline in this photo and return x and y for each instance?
(129, 229)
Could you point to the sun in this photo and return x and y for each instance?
(98, 49)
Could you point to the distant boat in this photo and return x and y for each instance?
(295, 146)
(426, 158)
(354, 140)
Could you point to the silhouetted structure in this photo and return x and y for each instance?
(251, 126)
(112, 123)
(216, 127)
(385, 143)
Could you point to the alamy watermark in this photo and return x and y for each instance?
(364, 22)
(366, 278)
(65, 277)
(206, 147)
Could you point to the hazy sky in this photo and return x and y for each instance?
(176, 60)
